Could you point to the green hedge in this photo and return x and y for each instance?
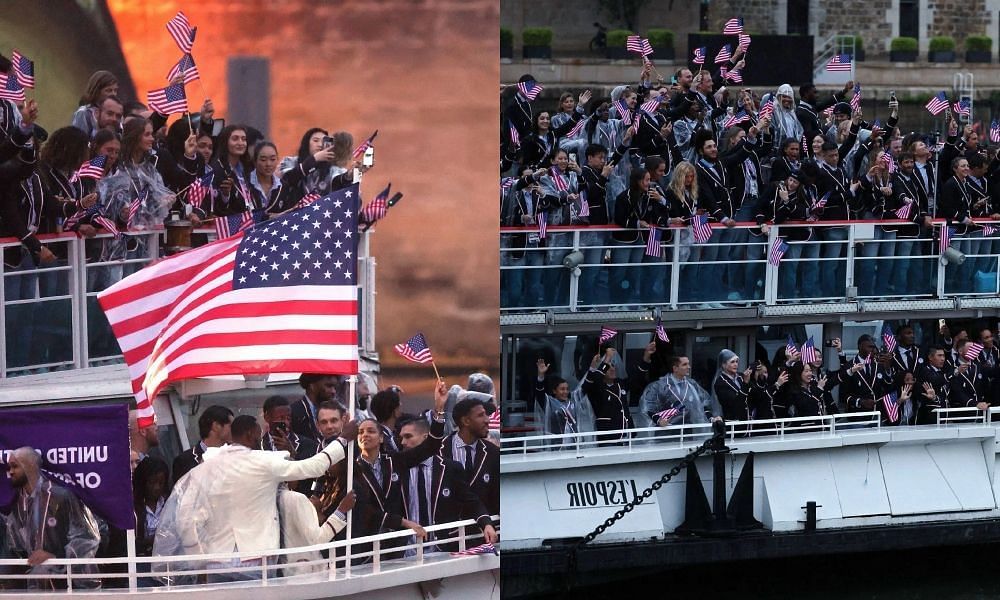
(904, 44)
(663, 38)
(537, 36)
(617, 37)
(506, 36)
(979, 43)
(942, 43)
(859, 43)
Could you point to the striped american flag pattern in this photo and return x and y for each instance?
(778, 249)
(231, 225)
(10, 89)
(790, 346)
(944, 238)
(633, 43)
(180, 29)
(584, 204)
(905, 211)
(890, 164)
(495, 421)
(80, 215)
(506, 183)
(558, 180)
(888, 338)
(652, 105)
(809, 354)
(185, 67)
(543, 224)
(606, 334)
(856, 98)
(92, 169)
(821, 203)
(661, 332)
(623, 111)
(653, 247)
(937, 104)
(668, 414)
(839, 63)
(106, 224)
(995, 131)
(24, 69)
(647, 49)
(360, 150)
(735, 76)
(530, 89)
(973, 350)
(200, 190)
(699, 55)
(701, 230)
(766, 109)
(515, 137)
(168, 100)
(962, 107)
(415, 349)
(744, 42)
(989, 229)
(733, 26)
(725, 53)
(735, 119)
(891, 404)
(377, 208)
(576, 128)
(307, 200)
(480, 549)
(255, 303)
(135, 205)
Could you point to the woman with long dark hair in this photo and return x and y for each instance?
(231, 166)
(150, 489)
(320, 167)
(628, 244)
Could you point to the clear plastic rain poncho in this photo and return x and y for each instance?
(116, 193)
(575, 415)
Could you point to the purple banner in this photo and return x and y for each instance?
(85, 449)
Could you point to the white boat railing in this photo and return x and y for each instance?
(965, 414)
(145, 574)
(690, 434)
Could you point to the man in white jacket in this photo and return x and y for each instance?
(230, 506)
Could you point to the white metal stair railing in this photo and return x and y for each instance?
(689, 434)
(832, 46)
(337, 567)
(963, 86)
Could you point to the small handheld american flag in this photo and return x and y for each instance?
(856, 98)
(360, 150)
(584, 204)
(809, 354)
(653, 243)
(725, 53)
(81, 214)
(530, 89)
(888, 338)
(701, 230)
(10, 89)
(766, 109)
(606, 334)
(24, 69)
(733, 26)
(839, 63)
(973, 350)
(633, 43)
(135, 205)
(647, 49)
(185, 67)
(377, 208)
(962, 107)
(93, 169)
(890, 164)
(182, 32)
(905, 211)
(623, 112)
(995, 131)
(168, 100)
(107, 224)
(735, 76)
(515, 137)
(699, 55)
(937, 104)
(668, 414)
(233, 224)
(989, 230)
(790, 346)
(744, 42)
(661, 333)
(415, 350)
(944, 238)
(891, 404)
(480, 549)
(576, 128)
(200, 190)
(558, 180)
(778, 249)
(652, 105)
(736, 119)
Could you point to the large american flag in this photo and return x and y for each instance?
(701, 230)
(778, 249)
(365, 145)
(937, 104)
(186, 67)
(24, 69)
(93, 169)
(180, 29)
(168, 100)
(529, 89)
(231, 225)
(281, 298)
(733, 26)
(415, 349)
(839, 63)
(10, 89)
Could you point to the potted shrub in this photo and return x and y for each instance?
(616, 44)
(903, 49)
(662, 41)
(941, 49)
(859, 47)
(979, 49)
(506, 43)
(537, 42)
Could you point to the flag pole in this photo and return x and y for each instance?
(352, 385)
(436, 374)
